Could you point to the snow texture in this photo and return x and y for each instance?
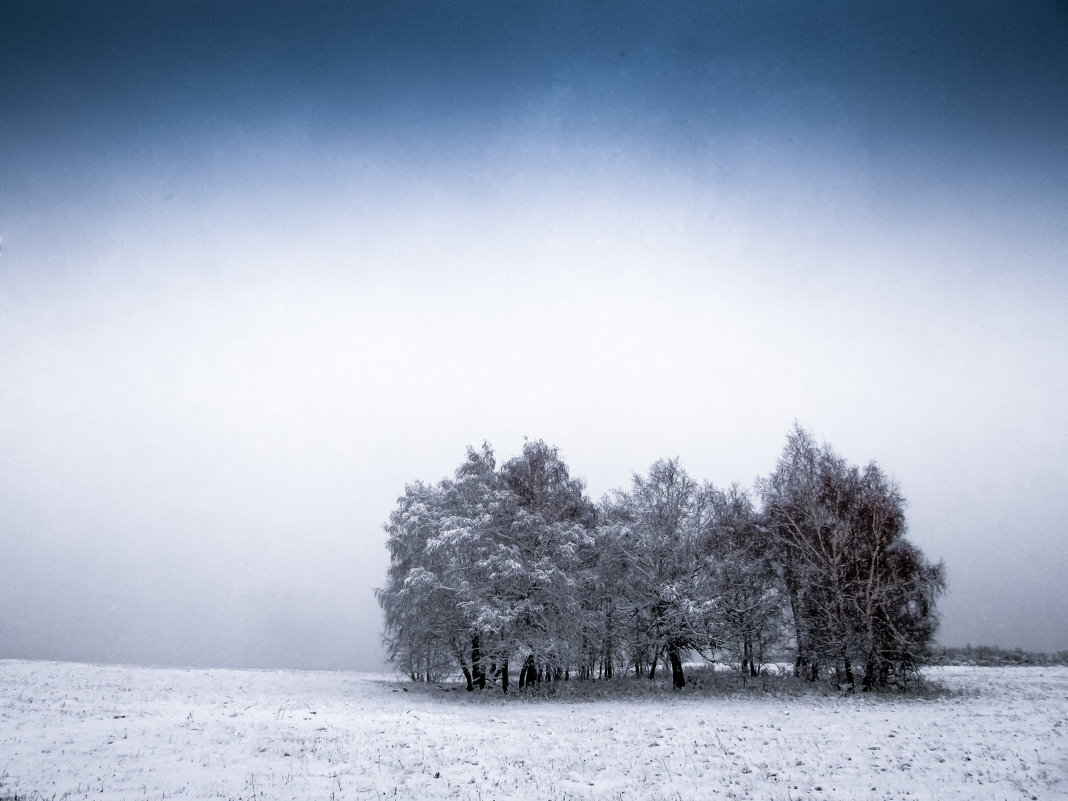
(114, 732)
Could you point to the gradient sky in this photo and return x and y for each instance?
(264, 263)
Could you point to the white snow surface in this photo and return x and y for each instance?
(71, 731)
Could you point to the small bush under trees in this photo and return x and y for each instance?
(511, 575)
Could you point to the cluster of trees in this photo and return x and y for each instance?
(499, 568)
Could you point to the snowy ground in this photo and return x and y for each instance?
(112, 732)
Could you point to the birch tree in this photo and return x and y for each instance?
(860, 595)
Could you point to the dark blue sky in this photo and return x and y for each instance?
(948, 88)
(265, 262)
(954, 109)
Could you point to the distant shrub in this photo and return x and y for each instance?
(995, 656)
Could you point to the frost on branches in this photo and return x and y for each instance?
(511, 575)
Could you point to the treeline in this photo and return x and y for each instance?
(513, 570)
(995, 656)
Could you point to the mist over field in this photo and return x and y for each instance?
(264, 264)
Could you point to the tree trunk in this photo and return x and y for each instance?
(504, 675)
(804, 665)
(608, 646)
(849, 675)
(466, 670)
(528, 673)
(678, 680)
(477, 670)
(869, 675)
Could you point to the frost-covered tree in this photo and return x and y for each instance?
(606, 596)
(476, 516)
(548, 548)
(738, 573)
(489, 565)
(424, 631)
(660, 523)
(439, 598)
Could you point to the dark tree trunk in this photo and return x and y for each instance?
(466, 670)
(609, 646)
(678, 680)
(849, 675)
(806, 668)
(504, 674)
(528, 674)
(477, 670)
(869, 675)
(654, 663)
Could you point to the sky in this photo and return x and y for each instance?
(263, 264)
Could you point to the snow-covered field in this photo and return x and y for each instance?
(113, 732)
